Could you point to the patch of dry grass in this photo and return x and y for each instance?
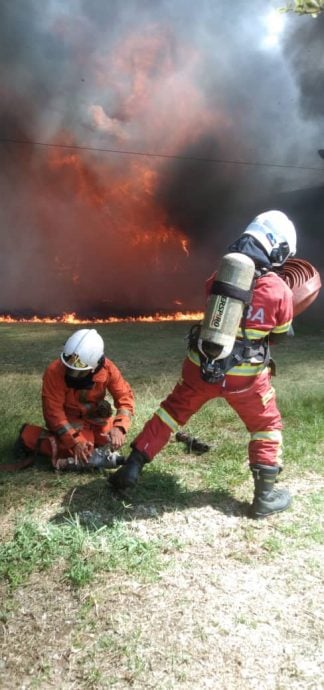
(226, 613)
(238, 604)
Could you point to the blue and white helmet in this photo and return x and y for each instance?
(276, 234)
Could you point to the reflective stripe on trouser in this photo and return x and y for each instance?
(35, 438)
(258, 410)
(265, 446)
(254, 402)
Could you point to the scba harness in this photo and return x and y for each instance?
(244, 351)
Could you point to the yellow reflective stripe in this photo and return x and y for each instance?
(252, 333)
(194, 357)
(67, 427)
(268, 396)
(274, 435)
(247, 370)
(124, 412)
(283, 328)
(167, 419)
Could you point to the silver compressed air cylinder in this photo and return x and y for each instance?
(230, 292)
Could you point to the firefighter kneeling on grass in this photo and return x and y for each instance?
(78, 417)
(248, 295)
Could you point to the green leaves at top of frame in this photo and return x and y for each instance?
(313, 7)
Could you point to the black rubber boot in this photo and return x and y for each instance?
(20, 449)
(267, 499)
(128, 475)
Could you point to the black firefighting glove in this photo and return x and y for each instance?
(127, 476)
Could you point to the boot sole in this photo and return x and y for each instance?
(259, 516)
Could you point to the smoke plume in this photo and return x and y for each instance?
(226, 109)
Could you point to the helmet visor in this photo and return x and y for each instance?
(76, 367)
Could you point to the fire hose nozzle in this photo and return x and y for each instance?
(115, 460)
(106, 459)
(101, 458)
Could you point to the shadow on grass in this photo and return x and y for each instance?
(96, 504)
(90, 498)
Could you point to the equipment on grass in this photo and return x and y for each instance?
(193, 444)
(304, 281)
(101, 458)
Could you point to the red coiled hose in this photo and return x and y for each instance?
(304, 281)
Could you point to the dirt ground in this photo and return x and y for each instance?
(228, 612)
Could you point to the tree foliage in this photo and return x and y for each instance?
(313, 7)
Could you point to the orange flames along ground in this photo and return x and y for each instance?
(73, 319)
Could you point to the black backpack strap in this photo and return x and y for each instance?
(193, 337)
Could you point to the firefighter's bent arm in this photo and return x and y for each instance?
(123, 397)
(53, 399)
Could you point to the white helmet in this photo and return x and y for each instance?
(83, 350)
(276, 233)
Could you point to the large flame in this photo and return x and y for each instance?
(97, 239)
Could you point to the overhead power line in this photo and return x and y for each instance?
(149, 154)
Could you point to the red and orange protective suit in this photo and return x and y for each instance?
(73, 415)
(246, 387)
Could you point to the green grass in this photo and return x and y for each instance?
(92, 532)
(84, 552)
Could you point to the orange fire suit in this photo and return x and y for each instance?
(246, 387)
(72, 415)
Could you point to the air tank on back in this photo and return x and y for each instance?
(231, 290)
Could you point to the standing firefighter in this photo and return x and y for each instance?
(249, 295)
(77, 414)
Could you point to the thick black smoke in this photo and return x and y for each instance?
(304, 51)
(202, 197)
(206, 83)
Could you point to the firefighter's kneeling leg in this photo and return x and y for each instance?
(36, 439)
(41, 441)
